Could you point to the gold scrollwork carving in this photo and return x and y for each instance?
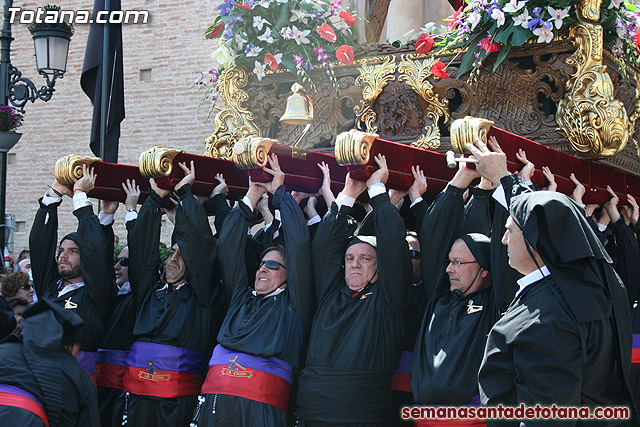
(233, 122)
(157, 162)
(593, 121)
(373, 78)
(252, 152)
(465, 130)
(416, 75)
(353, 147)
(69, 168)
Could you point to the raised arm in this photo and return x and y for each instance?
(477, 211)
(144, 240)
(195, 239)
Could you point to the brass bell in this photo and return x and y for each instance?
(299, 109)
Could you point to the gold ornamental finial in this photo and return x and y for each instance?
(354, 147)
(157, 162)
(252, 152)
(466, 130)
(69, 168)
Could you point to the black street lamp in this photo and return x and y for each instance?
(51, 42)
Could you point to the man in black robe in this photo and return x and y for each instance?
(357, 332)
(178, 317)
(263, 338)
(566, 337)
(80, 278)
(461, 308)
(41, 383)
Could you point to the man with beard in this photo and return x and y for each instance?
(178, 315)
(566, 337)
(80, 277)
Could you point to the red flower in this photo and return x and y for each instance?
(636, 41)
(271, 61)
(424, 44)
(216, 31)
(326, 32)
(440, 70)
(455, 19)
(244, 6)
(489, 46)
(345, 54)
(349, 19)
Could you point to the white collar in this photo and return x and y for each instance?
(532, 277)
(125, 288)
(278, 291)
(70, 287)
(166, 286)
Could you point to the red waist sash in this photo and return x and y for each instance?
(635, 349)
(450, 422)
(18, 398)
(111, 366)
(400, 381)
(163, 370)
(263, 379)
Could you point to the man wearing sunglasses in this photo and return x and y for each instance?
(80, 277)
(356, 336)
(264, 335)
(178, 315)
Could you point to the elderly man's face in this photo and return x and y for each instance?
(175, 266)
(271, 275)
(519, 257)
(465, 275)
(360, 265)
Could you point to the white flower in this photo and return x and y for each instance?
(621, 28)
(266, 37)
(522, 19)
(263, 3)
(299, 15)
(558, 15)
(498, 16)
(223, 56)
(514, 6)
(300, 36)
(253, 50)
(286, 33)
(240, 41)
(281, 1)
(543, 34)
(615, 3)
(259, 70)
(259, 21)
(474, 19)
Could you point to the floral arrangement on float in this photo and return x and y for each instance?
(485, 27)
(267, 36)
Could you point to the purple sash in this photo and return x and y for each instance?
(112, 357)
(166, 358)
(270, 365)
(88, 361)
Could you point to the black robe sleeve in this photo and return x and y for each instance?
(96, 261)
(329, 244)
(198, 247)
(419, 211)
(298, 246)
(220, 208)
(42, 248)
(503, 277)
(477, 213)
(7, 320)
(627, 263)
(144, 241)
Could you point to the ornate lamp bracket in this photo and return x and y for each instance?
(234, 121)
(593, 121)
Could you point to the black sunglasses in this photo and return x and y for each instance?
(271, 265)
(414, 254)
(124, 262)
(27, 287)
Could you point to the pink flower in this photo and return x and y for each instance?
(345, 54)
(424, 44)
(326, 32)
(272, 61)
(489, 46)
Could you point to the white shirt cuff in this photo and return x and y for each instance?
(47, 199)
(344, 200)
(266, 226)
(247, 202)
(602, 227)
(500, 196)
(313, 220)
(376, 189)
(130, 216)
(415, 202)
(105, 219)
(80, 200)
(277, 216)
